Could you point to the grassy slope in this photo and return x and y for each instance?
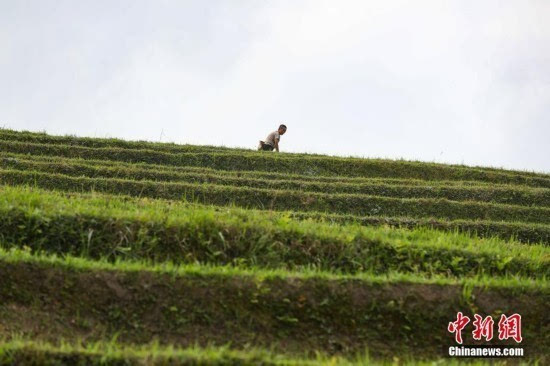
(20, 351)
(524, 232)
(296, 286)
(297, 312)
(117, 228)
(501, 194)
(13, 158)
(285, 163)
(284, 199)
(41, 138)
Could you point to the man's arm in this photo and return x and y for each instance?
(277, 145)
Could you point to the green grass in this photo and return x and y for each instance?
(293, 312)
(122, 252)
(117, 228)
(281, 200)
(174, 171)
(43, 138)
(20, 351)
(528, 233)
(285, 163)
(502, 194)
(101, 353)
(522, 232)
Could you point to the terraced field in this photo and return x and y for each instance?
(117, 252)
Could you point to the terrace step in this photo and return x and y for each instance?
(46, 298)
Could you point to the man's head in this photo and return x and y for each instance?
(282, 129)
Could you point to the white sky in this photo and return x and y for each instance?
(447, 81)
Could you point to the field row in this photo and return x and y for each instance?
(42, 138)
(20, 352)
(13, 158)
(284, 199)
(522, 232)
(24, 352)
(284, 163)
(516, 195)
(531, 233)
(111, 228)
(282, 254)
(294, 313)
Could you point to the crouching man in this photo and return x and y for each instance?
(272, 140)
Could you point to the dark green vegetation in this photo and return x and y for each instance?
(307, 311)
(204, 246)
(398, 188)
(113, 228)
(491, 219)
(283, 199)
(287, 163)
(20, 352)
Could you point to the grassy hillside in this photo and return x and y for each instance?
(118, 252)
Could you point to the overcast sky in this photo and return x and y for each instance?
(446, 81)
